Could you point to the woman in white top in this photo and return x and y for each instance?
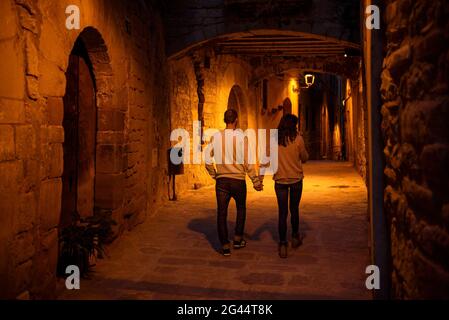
(289, 179)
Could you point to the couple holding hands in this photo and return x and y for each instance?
(230, 183)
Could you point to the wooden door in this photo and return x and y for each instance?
(86, 140)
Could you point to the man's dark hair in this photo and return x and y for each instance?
(230, 116)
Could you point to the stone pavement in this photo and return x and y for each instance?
(173, 254)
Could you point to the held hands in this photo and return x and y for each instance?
(258, 186)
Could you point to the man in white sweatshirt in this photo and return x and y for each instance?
(229, 168)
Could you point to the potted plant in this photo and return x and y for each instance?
(83, 240)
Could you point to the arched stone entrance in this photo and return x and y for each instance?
(94, 161)
(237, 102)
(79, 124)
(93, 129)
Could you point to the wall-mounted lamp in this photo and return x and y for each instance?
(309, 80)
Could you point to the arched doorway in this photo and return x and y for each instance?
(93, 127)
(93, 170)
(237, 102)
(79, 124)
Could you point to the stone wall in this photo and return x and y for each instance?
(279, 89)
(415, 113)
(219, 75)
(129, 66)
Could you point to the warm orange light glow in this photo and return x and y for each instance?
(294, 85)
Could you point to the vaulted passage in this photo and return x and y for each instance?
(89, 116)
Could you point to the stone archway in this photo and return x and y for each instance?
(79, 123)
(237, 101)
(94, 146)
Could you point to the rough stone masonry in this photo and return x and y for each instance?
(415, 86)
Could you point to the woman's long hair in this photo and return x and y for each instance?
(287, 129)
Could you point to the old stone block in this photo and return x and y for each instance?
(50, 203)
(7, 147)
(398, 61)
(135, 135)
(138, 113)
(110, 120)
(25, 218)
(418, 196)
(51, 33)
(419, 80)
(55, 134)
(55, 160)
(12, 176)
(121, 98)
(104, 85)
(414, 128)
(12, 111)
(55, 111)
(25, 142)
(52, 80)
(110, 137)
(9, 23)
(12, 70)
(425, 122)
(109, 190)
(138, 98)
(23, 248)
(109, 159)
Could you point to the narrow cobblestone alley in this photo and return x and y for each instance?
(172, 254)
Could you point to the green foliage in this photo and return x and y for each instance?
(83, 239)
